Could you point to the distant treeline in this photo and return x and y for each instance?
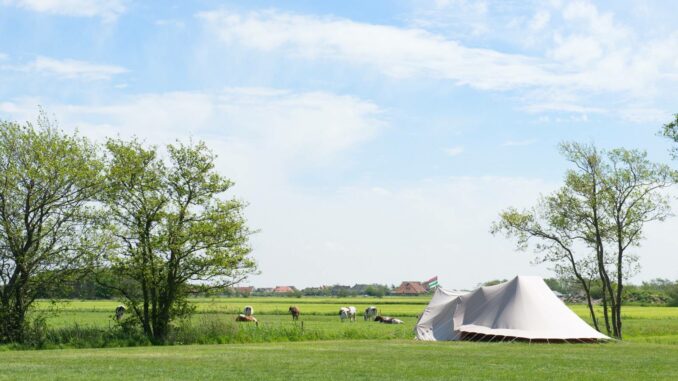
(656, 292)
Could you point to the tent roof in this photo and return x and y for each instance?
(523, 308)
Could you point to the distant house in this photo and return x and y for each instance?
(410, 288)
(284, 289)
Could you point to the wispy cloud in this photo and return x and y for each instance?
(454, 151)
(583, 53)
(277, 126)
(107, 10)
(397, 52)
(72, 69)
(562, 106)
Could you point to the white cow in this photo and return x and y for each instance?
(347, 313)
(248, 311)
(370, 312)
(120, 312)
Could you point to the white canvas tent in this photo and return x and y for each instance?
(523, 308)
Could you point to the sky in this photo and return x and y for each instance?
(373, 141)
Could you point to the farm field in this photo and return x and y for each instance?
(354, 360)
(325, 348)
(641, 324)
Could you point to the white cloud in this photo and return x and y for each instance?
(72, 69)
(562, 106)
(108, 10)
(312, 236)
(584, 54)
(454, 151)
(540, 20)
(638, 114)
(283, 126)
(398, 52)
(434, 226)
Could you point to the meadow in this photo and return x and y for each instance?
(325, 348)
(320, 320)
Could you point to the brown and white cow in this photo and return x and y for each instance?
(245, 318)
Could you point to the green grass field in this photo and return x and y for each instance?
(646, 324)
(350, 360)
(329, 349)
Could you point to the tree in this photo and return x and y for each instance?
(550, 228)
(601, 210)
(670, 131)
(48, 180)
(631, 199)
(175, 233)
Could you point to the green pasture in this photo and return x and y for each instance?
(264, 305)
(319, 316)
(350, 360)
(320, 346)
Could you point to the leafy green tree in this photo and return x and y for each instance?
(590, 223)
(376, 290)
(48, 180)
(549, 230)
(175, 232)
(631, 199)
(670, 131)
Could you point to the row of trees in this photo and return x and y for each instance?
(150, 226)
(588, 228)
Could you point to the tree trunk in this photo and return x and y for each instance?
(620, 286)
(589, 302)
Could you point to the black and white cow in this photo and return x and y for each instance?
(119, 312)
(388, 320)
(347, 313)
(370, 312)
(248, 311)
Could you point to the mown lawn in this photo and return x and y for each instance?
(350, 360)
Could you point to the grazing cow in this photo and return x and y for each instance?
(246, 318)
(248, 311)
(347, 313)
(119, 312)
(388, 320)
(295, 312)
(370, 312)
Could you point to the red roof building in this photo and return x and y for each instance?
(410, 288)
(284, 289)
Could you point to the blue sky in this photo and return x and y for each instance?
(374, 141)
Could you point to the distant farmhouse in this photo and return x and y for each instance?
(284, 289)
(410, 288)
